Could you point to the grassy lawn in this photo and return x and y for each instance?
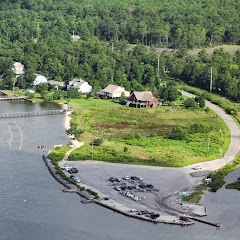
(138, 136)
(84, 102)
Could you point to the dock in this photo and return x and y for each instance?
(215, 224)
(30, 114)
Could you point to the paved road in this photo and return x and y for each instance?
(235, 139)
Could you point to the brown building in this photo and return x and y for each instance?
(142, 100)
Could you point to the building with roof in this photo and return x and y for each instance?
(81, 85)
(142, 99)
(56, 84)
(113, 91)
(39, 79)
(18, 69)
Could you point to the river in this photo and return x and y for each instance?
(33, 205)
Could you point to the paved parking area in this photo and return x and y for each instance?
(169, 182)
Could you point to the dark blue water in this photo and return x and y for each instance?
(33, 205)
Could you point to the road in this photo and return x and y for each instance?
(235, 139)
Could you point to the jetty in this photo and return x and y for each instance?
(215, 224)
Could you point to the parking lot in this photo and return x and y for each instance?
(168, 183)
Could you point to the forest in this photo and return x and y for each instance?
(38, 33)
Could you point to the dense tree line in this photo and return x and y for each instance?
(174, 23)
(38, 33)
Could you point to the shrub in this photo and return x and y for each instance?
(106, 198)
(177, 134)
(125, 149)
(190, 103)
(199, 128)
(97, 141)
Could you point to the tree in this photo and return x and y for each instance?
(190, 103)
(75, 130)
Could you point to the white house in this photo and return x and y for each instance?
(113, 91)
(39, 79)
(81, 85)
(18, 69)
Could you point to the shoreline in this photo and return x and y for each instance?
(115, 205)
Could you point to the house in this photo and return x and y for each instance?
(142, 99)
(56, 84)
(76, 38)
(113, 91)
(81, 85)
(39, 79)
(18, 69)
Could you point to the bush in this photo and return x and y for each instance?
(190, 103)
(125, 149)
(199, 128)
(177, 134)
(106, 198)
(97, 141)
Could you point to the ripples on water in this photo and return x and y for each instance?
(33, 205)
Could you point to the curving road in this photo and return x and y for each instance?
(235, 139)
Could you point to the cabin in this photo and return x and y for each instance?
(142, 100)
(81, 85)
(113, 92)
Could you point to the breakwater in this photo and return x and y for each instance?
(65, 183)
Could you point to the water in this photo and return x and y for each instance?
(33, 205)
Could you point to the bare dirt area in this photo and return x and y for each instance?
(194, 52)
(163, 198)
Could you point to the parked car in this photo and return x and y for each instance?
(140, 178)
(111, 179)
(197, 168)
(117, 188)
(142, 212)
(64, 167)
(149, 214)
(73, 170)
(126, 178)
(72, 176)
(68, 168)
(76, 179)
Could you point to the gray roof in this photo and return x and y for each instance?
(76, 83)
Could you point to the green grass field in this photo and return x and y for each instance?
(84, 102)
(150, 146)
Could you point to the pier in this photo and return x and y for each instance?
(31, 114)
(215, 224)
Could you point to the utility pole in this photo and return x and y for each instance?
(211, 82)
(219, 134)
(180, 159)
(208, 143)
(92, 151)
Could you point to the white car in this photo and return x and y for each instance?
(76, 179)
(64, 167)
(140, 178)
(197, 168)
(126, 178)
